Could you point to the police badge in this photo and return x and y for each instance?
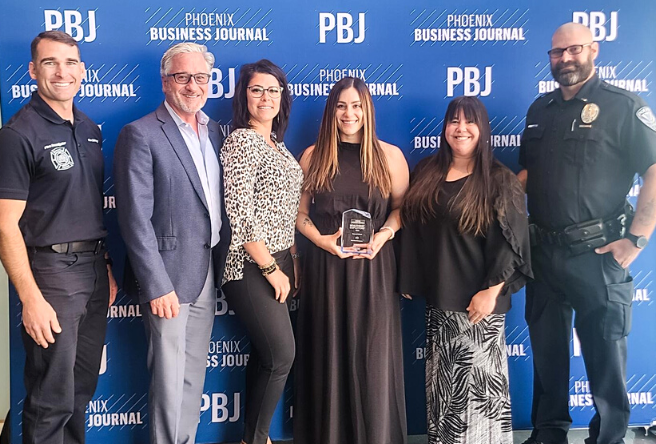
(647, 117)
(61, 159)
(590, 113)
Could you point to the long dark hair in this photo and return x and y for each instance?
(475, 200)
(240, 114)
(324, 165)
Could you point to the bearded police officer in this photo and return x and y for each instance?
(51, 243)
(582, 145)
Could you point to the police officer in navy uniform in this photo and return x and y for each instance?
(582, 146)
(51, 243)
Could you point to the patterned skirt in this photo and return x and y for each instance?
(467, 395)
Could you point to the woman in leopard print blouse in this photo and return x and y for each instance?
(262, 192)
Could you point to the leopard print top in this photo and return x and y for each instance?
(262, 193)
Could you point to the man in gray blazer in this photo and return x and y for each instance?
(171, 213)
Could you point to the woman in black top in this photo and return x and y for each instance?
(465, 248)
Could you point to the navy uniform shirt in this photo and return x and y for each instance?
(582, 154)
(57, 168)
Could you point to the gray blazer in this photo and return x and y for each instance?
(162, 211)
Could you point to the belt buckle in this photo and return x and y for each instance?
(59, 248)
(99, 244)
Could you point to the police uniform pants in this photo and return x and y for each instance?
(600, 291)
(60, 380)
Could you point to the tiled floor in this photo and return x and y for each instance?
(637, 435)
(633, 436)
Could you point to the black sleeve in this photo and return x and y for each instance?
(16, 165)
(522, 147)
(639, 136)
(507, 245)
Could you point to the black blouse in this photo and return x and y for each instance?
(449, 268)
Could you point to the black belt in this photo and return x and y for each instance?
(73, 247)
(581, 237)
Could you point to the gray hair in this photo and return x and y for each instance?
(185, 48)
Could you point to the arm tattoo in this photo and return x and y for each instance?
(307, 221)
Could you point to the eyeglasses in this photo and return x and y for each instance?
(183, 78)
(557, 53)
(257, 91)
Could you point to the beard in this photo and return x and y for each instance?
(576, 72)
(187, 107)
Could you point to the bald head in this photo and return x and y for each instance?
(572, 55)
(575, 32)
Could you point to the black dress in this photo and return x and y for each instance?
(349, 365)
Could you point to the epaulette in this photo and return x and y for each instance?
(623, 92)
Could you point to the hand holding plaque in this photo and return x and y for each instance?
(357, 232)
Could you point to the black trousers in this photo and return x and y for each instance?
(61, 379)
(600, 291)
(272, 344)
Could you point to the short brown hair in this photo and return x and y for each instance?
(55, 36)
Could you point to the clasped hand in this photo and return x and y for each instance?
(329, 243)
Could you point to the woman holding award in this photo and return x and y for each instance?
(349, 367)
(262, 191)
(465, 248)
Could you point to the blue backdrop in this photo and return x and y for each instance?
(415, 55)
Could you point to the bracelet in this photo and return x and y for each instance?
(296, 255)
(268, 268)
(268, 271)
(109, 261)
(273, 262)
(388, 228)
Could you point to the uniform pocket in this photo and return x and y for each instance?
(582, 146)
(612, 262)
(52, 263)
(617, 321)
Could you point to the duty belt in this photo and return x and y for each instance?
(73, 247)
(581, 237)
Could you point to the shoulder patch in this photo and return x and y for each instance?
(647, 117)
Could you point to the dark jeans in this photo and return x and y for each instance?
(272, 344)
(61, 379)
(600, 291)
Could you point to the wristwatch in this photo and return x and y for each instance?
(639, 241)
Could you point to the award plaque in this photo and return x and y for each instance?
(357, 231)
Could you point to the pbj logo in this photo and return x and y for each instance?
(73, 22)
(217, 88)
(344, 24)
(471, 78)
(602, 28)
